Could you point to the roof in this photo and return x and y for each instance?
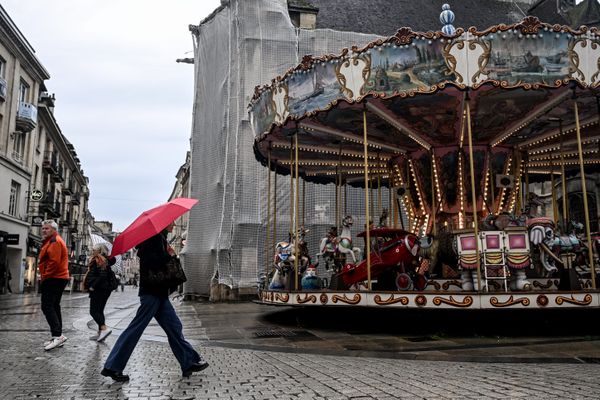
(547, 11)
(585, 13)
(302, 5)
(385, 17)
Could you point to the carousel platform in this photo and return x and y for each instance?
(443, 294)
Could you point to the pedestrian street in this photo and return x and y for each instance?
(72, 371)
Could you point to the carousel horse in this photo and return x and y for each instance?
(284, 258)
(303, 255)
(333, 245)
(345, 240)
(543, 233)
(283, 262)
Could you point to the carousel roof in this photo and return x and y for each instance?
(521, 82)
(383, 17)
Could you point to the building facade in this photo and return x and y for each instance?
(40, 174)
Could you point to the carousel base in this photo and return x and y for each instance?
(443, 294)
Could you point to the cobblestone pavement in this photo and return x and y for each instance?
(72, 372)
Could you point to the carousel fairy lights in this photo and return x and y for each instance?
(455, 124)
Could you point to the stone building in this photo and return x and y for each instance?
(40, 173)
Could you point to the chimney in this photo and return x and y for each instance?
(303, 14)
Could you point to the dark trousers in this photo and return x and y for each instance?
(161, 309)
(52, 290)
(98, 299)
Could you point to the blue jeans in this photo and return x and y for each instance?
(161, 309)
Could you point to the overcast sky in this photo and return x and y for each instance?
(121, 98)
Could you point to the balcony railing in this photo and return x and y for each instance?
(3, 89)
(18, 157)
(50, 163)
(26, 117)
(57, 212)
(75, 198)
(58, 174)
(47, 204)
(68, 187)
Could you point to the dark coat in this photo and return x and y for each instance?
(101, 278)
(153, 255)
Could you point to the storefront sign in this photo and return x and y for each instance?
(12, 238)
(37, 220)
(36, 195)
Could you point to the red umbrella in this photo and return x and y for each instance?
(151, 222)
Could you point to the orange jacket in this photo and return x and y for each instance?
(54, 259)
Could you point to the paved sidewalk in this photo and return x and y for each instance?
(256, 372)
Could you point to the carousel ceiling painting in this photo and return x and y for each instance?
(418, 95)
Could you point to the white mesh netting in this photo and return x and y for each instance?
(245, 44)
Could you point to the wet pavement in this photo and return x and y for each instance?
(265, 352)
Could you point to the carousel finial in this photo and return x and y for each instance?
(447, 18)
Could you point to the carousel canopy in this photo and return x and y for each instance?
(521, 83)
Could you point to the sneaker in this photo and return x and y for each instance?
(56, 342)
(95, 337)
(104, 334)
(116, 376)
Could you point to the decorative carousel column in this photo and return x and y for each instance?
(584, 190)
(367, 230)
(473, 194)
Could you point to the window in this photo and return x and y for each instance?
(19, 149)
(13, 202)
(23, 91)
(2, 68)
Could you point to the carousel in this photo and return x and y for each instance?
(453, 128)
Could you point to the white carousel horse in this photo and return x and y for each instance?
(332, 244)
(345, 240)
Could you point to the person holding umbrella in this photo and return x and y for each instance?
(154, 253)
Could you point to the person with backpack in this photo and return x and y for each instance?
(100, 282)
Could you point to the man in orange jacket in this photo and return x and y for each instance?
(54, 269)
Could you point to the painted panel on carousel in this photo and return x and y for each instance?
(313, 91)
(517, 58)
(415, 67)
(263, 114)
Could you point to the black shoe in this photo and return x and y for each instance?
(197, 367)
(117, 376)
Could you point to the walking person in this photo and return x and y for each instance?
(154, 254)
(8, 278)
(100, 281)
(54, 270)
